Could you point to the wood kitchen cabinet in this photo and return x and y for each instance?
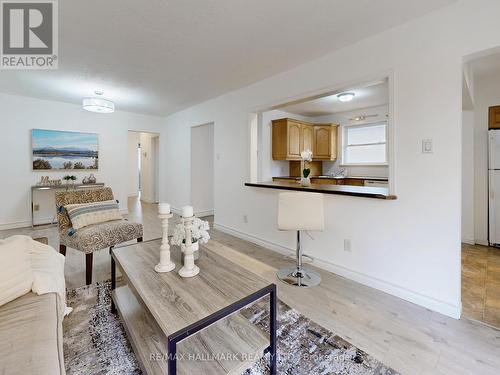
(291, 137)
(494, 117)
(325, 142)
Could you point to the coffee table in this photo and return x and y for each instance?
(190, 326)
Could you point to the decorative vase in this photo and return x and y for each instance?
(196, 250)
(92, 179)
(305, 181)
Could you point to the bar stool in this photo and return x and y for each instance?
(300, 212)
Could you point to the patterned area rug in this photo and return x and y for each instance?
(95, 341)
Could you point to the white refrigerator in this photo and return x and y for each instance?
(494, 186)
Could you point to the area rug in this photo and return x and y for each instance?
(95, 341)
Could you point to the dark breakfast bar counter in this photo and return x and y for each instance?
(355, 191)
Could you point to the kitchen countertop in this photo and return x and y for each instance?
(356, 191)
(339, 178)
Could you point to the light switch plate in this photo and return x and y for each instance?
(427, 147)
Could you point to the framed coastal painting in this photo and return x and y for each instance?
(55, 150)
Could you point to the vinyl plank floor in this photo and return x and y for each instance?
(407, 337)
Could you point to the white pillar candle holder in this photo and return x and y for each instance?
(165, 265)
(189, 269)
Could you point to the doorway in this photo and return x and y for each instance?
(143, 166)
(480, 209)
(202, 169)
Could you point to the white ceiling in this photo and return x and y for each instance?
(160, 56)
(364, 97)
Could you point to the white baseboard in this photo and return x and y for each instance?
(482, 242)
(15, 225)
(408, 295)
(469, 241)
(204, 213)
(178, 211)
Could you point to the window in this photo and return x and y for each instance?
(365, 144)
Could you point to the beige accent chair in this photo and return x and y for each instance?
(93, 237)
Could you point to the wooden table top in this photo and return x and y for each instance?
(176, 302)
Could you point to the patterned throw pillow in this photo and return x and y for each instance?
(85, 214)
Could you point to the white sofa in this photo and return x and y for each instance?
(31, 336)
(31, 332)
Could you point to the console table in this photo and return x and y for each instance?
(36, 188)
(193, 322)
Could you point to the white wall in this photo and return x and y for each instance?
(21, 114)
(133, 167)
(149, 168)
(468, 229)
(409, 247)
(486, 94)
(202, 169)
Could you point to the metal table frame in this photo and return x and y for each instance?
(192, 329)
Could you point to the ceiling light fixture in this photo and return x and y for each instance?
(98, 105)
(346, 96)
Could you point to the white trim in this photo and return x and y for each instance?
(428, 302)
(124, 211)
(178, 211)
(256, 240)
(481, 242)
(469, 241)
(15, 225)
(204, 213)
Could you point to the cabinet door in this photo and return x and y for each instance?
(307, 137)
(334, 139)
(294, 134)
(322, 142)
(494, 117)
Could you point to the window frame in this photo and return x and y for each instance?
(344, 144)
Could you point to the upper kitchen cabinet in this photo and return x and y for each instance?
(494, 117)
(325, 142)
(290, 138)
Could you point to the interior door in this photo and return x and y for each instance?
(494, 206)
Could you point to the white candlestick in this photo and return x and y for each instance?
(164, 208)
(189, 269)
(165, 265)
(187, 211)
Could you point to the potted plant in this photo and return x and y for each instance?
(199, 235)
(69, 178)
(305, 155)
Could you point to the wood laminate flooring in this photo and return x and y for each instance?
(407, 337)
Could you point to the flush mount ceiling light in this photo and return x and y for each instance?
(346, 96)
(98, 105)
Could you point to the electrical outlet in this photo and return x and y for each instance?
(36, 207)
(245, 218)
(347, 245)
(427, 147)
